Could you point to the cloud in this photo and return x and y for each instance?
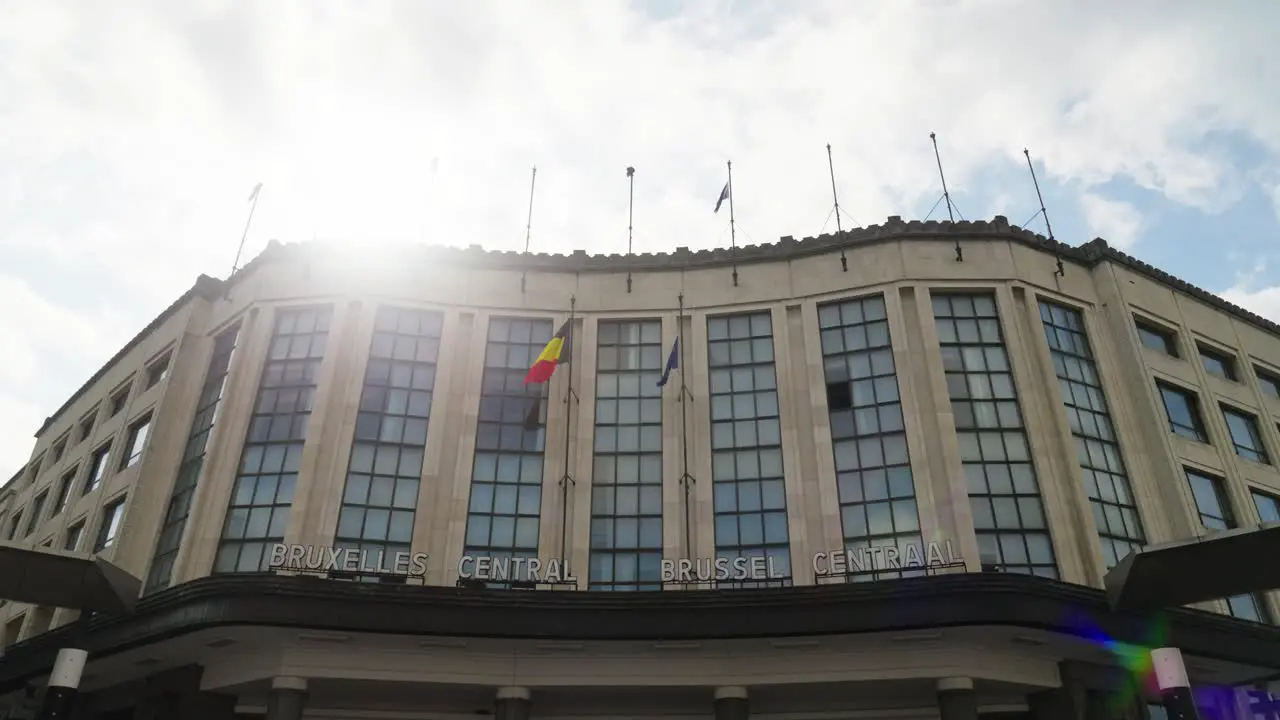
(133, 132)
(1246, 293)
(1116, 222)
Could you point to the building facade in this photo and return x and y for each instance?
(881, 482)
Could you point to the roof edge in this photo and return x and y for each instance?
(205, 287)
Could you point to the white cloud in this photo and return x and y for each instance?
(133, 132)
(1264, 300)
(1115, 221)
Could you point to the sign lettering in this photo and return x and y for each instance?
(323, 558)
(516, 569)
(888, 557)
(720, 569)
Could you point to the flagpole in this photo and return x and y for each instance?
(1060, 271)
(257, 190)
(946, 195)
(831, 169)
(631, 204)
(528, 229)
(686, 480)
(567, 479)
(733, 230)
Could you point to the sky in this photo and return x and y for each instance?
(131, 134)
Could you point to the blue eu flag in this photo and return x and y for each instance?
(673, 363)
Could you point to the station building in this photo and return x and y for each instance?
(885, 480)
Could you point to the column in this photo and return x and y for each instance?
(64, 684)
(511, 703)
(288, 697)
(731, 703)
(1175, 688)
(956, 699)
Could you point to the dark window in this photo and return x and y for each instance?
(1269, 382)
(59, 448)
(385, 469)
(86, 426)
(118, 401)
(1217, 363)
(1004, 494)
(65, 483)
(749, 489)
(110, 525)
(1268, 506)
(1245, 437)
(626, 480)
(33, 471)
(1158, 339)
(184, 486)
(136, 442)
(97, 468)
(15, 524)
(37, 507)
(1115, 514)
(1215, 514)
(74, 533)
(873, 470)
(506, 478)
(263, 493)
(1211, 501)
(1183, 412)
(157, 371)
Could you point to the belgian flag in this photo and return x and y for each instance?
(555, 354)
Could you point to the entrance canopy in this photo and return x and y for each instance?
(44, 577)
(1227, 563)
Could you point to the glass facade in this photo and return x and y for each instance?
(506, 477)
(268, 474)
(626, 478)
(873, 471)
(1004, 494)
(1115, 514)
(380, 498)
(184, 486)
(749, 490)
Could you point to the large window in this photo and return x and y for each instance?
(1004, 494)
(1115, 515)
(263, 493)
(506, 477)
(1215, 514)
(184, 486)
(873, 472)
(1268, 506)
(1245, 437)
(1183, 412)
(381, 494)
(136, 442)
(109, 526)
(626, 480)
(97, 468)
(749, 490)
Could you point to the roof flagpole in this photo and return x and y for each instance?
(946, 194)
(528, 230)
(1060, 271)
(831, 168)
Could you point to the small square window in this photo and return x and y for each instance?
(59, 448)
(158, 371)
(1157, 338)
(74, 533)
(136, 442)
(1269, 381)
(1217, 363)
(85, 429)
(119, 400)
(97, 468)
(111, 515)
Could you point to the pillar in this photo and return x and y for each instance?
(288, 697)
(64, 684)
(731, 703)
(1175, 688)
(956, 699)
(511, 703)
